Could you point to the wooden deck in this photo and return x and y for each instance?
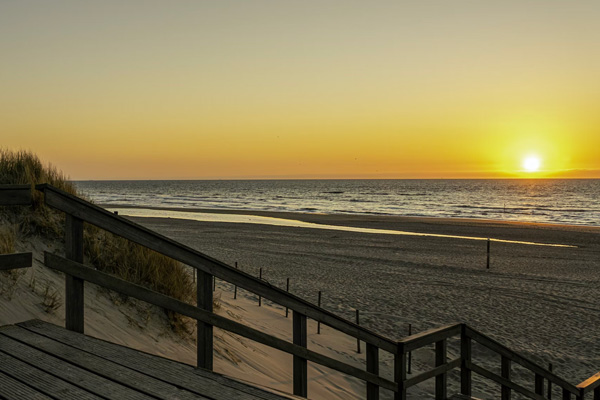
(39, 360)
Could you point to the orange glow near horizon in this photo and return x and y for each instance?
(277, 90)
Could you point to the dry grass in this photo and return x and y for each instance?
(103, 250)
(7, 240)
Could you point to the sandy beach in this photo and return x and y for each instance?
(542, 301)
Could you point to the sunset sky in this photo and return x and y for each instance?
(303, 89)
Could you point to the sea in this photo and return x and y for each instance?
(557, 201)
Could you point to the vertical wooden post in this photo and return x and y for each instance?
(214, 283)
(400, 372)
(319, 322)
(566, 395)
(408, 371)
(74, 286)
(287, 289)
(235, 286)
(440, 380)
(372, 367)
(260, 277)
(597, 393)
(549, 383)
(300, 365)
(357, 339)
(465, 355)
(539, 384)
(204, 341)
(488, 253)
(505, 373)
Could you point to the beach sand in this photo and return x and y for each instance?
(541, 301)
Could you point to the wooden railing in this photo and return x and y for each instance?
(467, 336)
(15, 195)
(79, 211)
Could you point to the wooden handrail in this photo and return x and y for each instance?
(80, 271)
(591, 384)
(430, 336)
(15, 195)
(125, 228)
(15, 260)
(514, 356)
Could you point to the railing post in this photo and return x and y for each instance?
(539, 384)
(300, 366)
(549, 383)
(372, 367)
(597, 393)
(204, 341)
(465, 355)
(74, 286)
(440, 380)
(400, 372)
(566, 395)
(505, 373)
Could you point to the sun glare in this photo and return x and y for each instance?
(531, 164)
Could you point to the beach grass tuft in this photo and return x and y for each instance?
(103, 250)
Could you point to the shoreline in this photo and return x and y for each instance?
(559, 234)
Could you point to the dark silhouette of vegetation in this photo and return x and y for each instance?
(103, 250)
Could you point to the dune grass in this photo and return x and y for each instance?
(103, 250)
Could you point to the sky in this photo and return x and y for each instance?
(276, 89)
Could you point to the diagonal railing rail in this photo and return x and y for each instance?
(79, 211)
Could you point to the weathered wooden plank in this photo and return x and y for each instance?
(415, 380)
(42, 381)
(141, 293)
(204, 331)
(300, 366)
(517, 358)
(15, 261)
(465, 355)
(428, 337)
(505, 372)
(400, 373)
(67, 372)
(590, 383)
(15, 195)
(504, 382)
(12, 389)
(373, 368)
(74, 320)
(183, 375)
(120, 226)
(440, 361)
(99, 366)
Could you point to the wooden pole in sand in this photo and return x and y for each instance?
(409, 353)
(74, 286)
(357, 340)
(549, 383)
(488, 253)
(260, 277)
(319, 322)
(235, 286)
(287, 289)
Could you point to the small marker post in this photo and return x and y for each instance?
(488, 253)
(287, 289)
(235, 286)
(260, 277)
(408, 369)
(319, 322)
(357, 340)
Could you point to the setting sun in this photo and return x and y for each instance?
(531, 164)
